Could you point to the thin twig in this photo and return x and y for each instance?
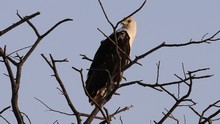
(5, 109)
(85, 57)
(29, 120)
(50, 109)
(5, 119)
(121, 120)
(103, 10)
(3, 54)
(19, 50)
(137, 10)
(158, 72)
(121, 110)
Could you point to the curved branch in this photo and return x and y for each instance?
(132, 13)
(40, 38)
(106, 17)
(51, 29)
(5, 109)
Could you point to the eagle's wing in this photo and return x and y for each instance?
(106, 62)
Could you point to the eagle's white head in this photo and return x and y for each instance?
(129, 25)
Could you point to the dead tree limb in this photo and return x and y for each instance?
(98, 107)
(203, 119)
(2, 111)
(5, 109)
(26, 18)
(208, 40)
(51, 109)
(179, 99)
(15, 78)
(52, 65)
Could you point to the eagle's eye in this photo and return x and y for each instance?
(129, 21)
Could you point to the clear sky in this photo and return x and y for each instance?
(171, 21)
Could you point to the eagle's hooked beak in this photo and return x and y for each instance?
(122, 23)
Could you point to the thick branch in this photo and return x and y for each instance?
(18, 23)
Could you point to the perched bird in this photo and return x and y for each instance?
(111, 57)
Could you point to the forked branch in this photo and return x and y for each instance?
(26, 18)
(208, 40)
(203, 118)
(15, 78)
(52, 65)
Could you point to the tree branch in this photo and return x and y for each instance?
(16, 80)
(40, 38)
(207, 40)
(98, 106)
(210, 118)
(19, 23)
(111, 91)
(85, 57)
(137, 10)
(178, 100)
(65, 93)
(50, 109)
(4, 109)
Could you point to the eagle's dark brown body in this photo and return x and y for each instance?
(109, 60)
(107, 64)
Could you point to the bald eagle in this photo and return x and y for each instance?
(109, 60)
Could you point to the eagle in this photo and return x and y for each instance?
(111, 57)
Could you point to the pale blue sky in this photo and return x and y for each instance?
(171, 21)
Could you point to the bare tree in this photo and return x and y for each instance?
(181, 99)
(18, 61)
